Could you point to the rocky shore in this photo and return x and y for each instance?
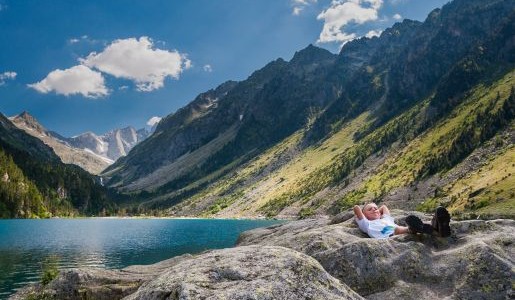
(315, 259)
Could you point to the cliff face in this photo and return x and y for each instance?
(316, 259)
(111, 145)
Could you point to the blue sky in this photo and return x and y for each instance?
(96, 65)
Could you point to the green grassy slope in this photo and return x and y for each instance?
(466, 127)
(286, 178)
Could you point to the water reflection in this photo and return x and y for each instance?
(109, 243)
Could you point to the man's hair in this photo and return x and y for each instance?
(365, 205)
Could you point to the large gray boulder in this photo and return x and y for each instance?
(476, 262)
(251, 272)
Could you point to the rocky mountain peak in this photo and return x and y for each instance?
(311, 54)
(401, 28)
(128, 134)
(87, 148)
(27, 120)
(25, 115)
(113, 144)
(226, 86)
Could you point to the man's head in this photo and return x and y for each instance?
(371, 211)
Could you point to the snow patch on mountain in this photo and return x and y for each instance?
(112, 145)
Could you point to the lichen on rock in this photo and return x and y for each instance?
(476, 262)
(250, 272)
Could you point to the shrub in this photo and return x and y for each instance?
(306, 212)
(49, 270)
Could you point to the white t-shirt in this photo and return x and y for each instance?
(379, 228)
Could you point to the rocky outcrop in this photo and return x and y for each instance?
(317, 259)
(250, 272)
(476, 262)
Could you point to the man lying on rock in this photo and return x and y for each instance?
(377, 222)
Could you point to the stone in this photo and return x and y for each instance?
(250, 272)
(342, 217)
(476, 262)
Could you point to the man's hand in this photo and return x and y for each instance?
(384, 210)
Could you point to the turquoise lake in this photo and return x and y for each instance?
(108, 243)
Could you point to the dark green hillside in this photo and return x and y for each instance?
(50, 187)
(20, 197)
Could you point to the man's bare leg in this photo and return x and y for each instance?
(401, 230)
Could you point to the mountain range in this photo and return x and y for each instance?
(416, 117)
(35, 183)
(421, 116)
(43, 174)
(91, 152)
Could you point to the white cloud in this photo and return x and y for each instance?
(9, 75)
(343, 12)
(153, 121)
(373, 33)
(397, 2)
(208, 68)
(303, 2)
(134, 59)
(299, 5)
(75, 80)
(85, 39)
(137, 60)
(397, 17)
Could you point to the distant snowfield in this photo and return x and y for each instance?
(106, 159)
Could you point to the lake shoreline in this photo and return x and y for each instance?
(313, 259)
(107, 242)
(162, 218)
